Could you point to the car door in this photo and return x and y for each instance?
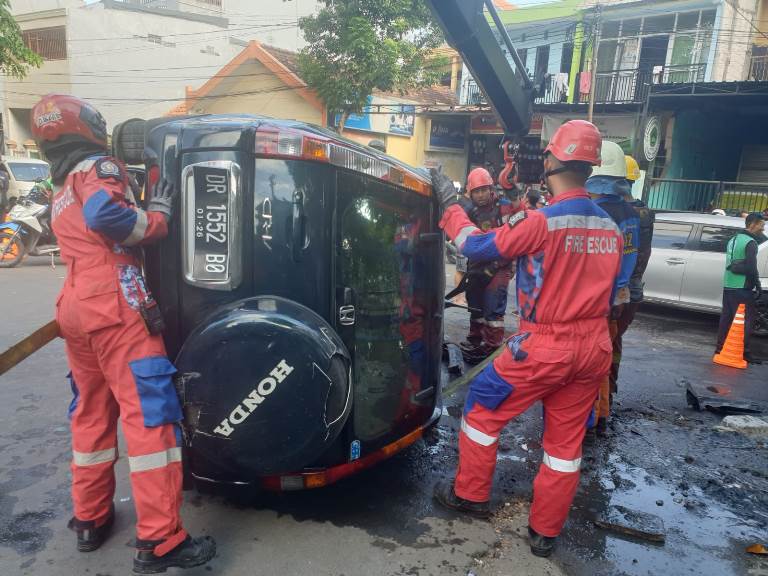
(703, 280)
(669, 257)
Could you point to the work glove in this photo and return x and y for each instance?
(443, 188)
(163, 196)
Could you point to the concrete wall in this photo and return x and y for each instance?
(733, 50)
(253, 89)
(122, 76)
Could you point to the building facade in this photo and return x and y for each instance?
(131, 58)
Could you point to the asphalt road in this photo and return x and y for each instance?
(713, 486)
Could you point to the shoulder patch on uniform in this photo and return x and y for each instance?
(517, 218)
(106, 168)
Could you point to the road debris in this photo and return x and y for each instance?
(718, 399)
(748, 425)
(633, 523)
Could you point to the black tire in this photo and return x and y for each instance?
(760, 328)
(11, 250)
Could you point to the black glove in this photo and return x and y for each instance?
(467, 205)
(163, 197)
(758, 292)
(443, 188)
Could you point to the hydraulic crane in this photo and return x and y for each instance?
(509, 91)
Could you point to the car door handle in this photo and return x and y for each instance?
(675, 261)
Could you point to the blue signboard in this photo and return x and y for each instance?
(448, 133)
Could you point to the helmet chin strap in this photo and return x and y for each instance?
(559, 170)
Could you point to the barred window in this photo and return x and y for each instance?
(49, 43)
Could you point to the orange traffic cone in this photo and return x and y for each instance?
(732, 353)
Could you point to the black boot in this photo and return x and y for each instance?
(601, 427)
(89, 536)
(541, 546)
(445, 495)
(190, 553)
(752, 360)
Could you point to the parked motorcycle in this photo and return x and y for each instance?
(27, 230)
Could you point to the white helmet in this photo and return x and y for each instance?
(612, 161)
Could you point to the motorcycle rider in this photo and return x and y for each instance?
(111, 327)
(486, 282)
(568, 255)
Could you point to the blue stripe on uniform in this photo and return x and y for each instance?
(103, 215)
(481, 247)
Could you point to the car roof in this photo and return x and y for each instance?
(697, 218)
(24, 160)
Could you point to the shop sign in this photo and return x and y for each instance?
(651, 138)
(619, 128)
(447, 134)
(383, 117)
(487, 124)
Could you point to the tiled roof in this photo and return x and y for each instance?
(287, 58)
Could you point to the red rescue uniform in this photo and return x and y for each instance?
(118, 368)
(568, 255)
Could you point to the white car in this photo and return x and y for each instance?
(688, 260)
(23, 173)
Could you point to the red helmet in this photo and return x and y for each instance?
(57, 115)
(478, 178)
(576, 141)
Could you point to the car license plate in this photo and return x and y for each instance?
(211, 223)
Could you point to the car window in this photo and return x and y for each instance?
(29, 172)
(671, 235)
(715, 238)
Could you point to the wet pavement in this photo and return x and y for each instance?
(710, 488)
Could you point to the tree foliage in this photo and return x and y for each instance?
(15, 57)
(356, 46)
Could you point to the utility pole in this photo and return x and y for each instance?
(593, 61)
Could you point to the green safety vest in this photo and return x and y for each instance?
(736, 250)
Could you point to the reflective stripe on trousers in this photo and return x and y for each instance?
(560, 465)
(476, 435)
(94, 458)
(155, 460)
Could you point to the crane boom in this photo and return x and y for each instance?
(467, 30)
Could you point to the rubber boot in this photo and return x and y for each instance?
(541, 546)
(446, 496)
(190, 553)
(90, 537)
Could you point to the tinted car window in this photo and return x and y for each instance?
(715, 238)
(671, 235)
(29, 172)
(381, 260)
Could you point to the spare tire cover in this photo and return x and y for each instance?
(265, 387)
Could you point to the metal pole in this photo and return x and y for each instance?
(593, 64)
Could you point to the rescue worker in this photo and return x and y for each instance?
(741, 282)
(646, 220)
(568, 255)
(487, 282)
(607, 186)
(111, 327)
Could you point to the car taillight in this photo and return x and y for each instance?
(280, 143)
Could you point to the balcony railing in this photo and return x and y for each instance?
(629, 86)
(706, 195)
(758, 69)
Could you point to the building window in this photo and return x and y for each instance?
(49, 43)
